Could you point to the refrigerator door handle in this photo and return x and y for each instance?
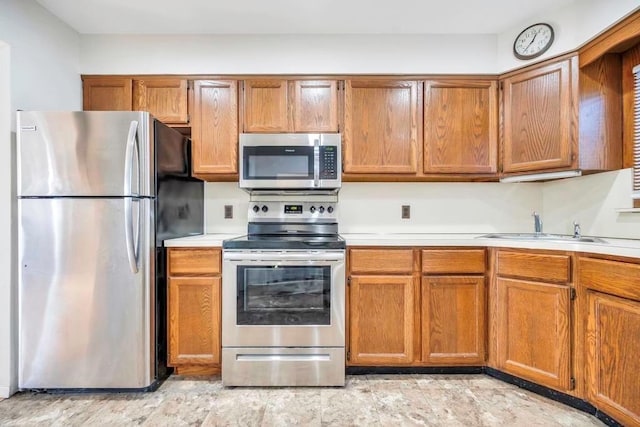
(128, 161)
(133, 248)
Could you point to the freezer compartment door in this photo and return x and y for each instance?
(85, 153)
(86, 312)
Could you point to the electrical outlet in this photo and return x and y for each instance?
(406, 211)
(228, 211)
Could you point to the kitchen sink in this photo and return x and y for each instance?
(543, 236)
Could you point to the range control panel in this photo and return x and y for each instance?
(292, 211)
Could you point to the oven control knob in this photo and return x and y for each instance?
(330, 209)
(321, 209)
(264, 208)
(256, 208)
(312, 209)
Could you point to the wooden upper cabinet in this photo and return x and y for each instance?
(381, 320)
(613, 345)
(106, 94)
(460, 126)
(540, 118)
(266, 106)
(166, 99)
(214, 127)
(315, 106)
(453, 330)
(382, 127)
(534, 331)
(290, 106)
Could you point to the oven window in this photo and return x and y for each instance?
(277, 295)
(278, 162)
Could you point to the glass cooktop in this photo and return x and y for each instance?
(284, 242)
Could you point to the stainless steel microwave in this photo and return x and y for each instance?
(290, 161)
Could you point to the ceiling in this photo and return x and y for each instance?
(296, 16)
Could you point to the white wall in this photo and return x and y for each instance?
(592, 201)
(376, 207)
(574, 24)
(41, 75)
(44, 58)
(288, 54)
(7, 234)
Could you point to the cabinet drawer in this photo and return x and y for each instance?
(544, 267)
(612, 277)
(442, 261)
(381, 261)
(192, 261)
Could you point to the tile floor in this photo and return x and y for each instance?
(367, 400)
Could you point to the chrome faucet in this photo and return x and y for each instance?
(537, 223)
(576, 230)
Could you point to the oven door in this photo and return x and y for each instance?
(290, 298)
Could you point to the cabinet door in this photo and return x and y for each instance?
(315, 106)
(107, 94)
(381, 132)
(453, 320)
(381, 320)
(460, 127)
(194, 321)
(613, 346)
(539, 118)
(266, 106)
(534, 331)
(166, 99)
(214, 127)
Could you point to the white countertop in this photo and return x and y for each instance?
(618, 247)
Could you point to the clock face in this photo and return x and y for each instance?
(533, 41)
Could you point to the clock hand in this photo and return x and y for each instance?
(531, 42)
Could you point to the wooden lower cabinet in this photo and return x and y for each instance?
(194, 321)
(194, 310)
(453, 330)
(534, 331)
(381, 312)
(613, 347)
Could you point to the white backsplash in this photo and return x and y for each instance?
(591, 200)
(376, 207)
(461, 207)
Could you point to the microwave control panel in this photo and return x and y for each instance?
(328, 162)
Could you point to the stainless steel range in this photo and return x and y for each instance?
(283, 295)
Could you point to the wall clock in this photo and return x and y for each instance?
(533, 41)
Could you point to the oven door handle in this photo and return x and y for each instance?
(312, 256)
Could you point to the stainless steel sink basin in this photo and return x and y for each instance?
(543, 236)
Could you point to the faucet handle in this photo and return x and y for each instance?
(576, 229)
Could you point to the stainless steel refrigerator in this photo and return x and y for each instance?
(98, 192)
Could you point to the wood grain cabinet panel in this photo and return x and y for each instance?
(194, 321)
(315, 106)
(166, 99)
(453, 261)
(266, 106)
(107, 94)
(540, 118)
(613, 346)
(533, 331)
(382, 120)
(194, 310)
(389, 261)
(381, 320)
(214, 127)
(453, 330)
(460, 126)
(194, 261)
(536, 266)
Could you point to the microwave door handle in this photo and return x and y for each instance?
(316, 162)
